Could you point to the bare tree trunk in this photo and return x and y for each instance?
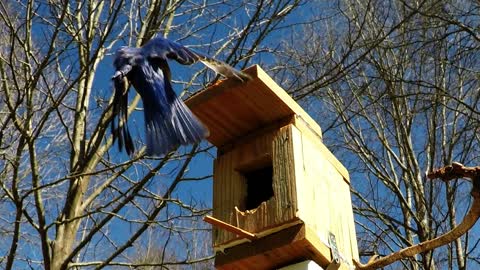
(67, 191)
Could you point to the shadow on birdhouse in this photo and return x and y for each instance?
(280, 196)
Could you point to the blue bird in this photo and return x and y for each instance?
(168, 121)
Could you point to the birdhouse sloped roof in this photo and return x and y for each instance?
(232, 109)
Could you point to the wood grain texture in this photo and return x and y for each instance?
(230, 189)
(228, 227)
(231, 109)
(323, 196)
(288, 246)
(310, 133)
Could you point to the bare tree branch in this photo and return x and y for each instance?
(456, 170)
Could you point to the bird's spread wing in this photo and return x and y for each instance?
(163, 48)
(168, 121)
(124, 61)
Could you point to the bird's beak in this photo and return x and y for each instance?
(117, 74)
(122, 72)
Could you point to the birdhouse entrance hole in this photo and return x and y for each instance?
(259, 187)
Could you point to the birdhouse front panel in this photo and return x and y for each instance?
(254, 185)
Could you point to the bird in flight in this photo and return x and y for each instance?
(168, 121)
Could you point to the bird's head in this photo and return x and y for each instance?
(126, 51)
(125, 56)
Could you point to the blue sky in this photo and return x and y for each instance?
(200, 192)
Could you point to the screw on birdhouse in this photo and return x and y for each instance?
(337, 263)
(332, 242)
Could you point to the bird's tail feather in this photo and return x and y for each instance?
(178, 127)
(120, 109)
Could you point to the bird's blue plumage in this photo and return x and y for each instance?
(168, 121)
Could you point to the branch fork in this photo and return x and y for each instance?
(447, 173)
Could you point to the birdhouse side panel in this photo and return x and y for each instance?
(324, 202)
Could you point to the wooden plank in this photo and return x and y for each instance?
(230, 186)
(276, 250)
(273, 147)
(266, 129)
(314, 137)
(228, 190)
(284, 186)
(288, 100)
(279, 227)
(324, 201)
(231, 109)
(228, 227)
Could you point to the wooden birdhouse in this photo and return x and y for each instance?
(280, 196)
